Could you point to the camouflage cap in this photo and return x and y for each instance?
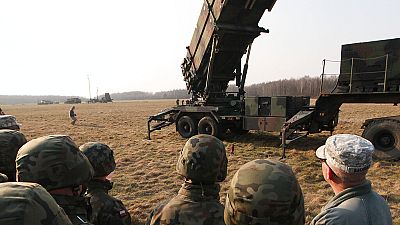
(3, 178)
(347, 152)
(54, 162)
(203, 159)
(9, 122)
(29, 204)
(100, 156)
(264, 192)
(10, 142)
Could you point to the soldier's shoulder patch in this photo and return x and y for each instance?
(123, 213)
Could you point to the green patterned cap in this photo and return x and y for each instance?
(54, 162)
(203, 159)
(29, 204)
(100, 156)
(264, 192)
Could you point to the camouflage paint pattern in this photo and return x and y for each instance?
(264, 192)
(263, 123)
(10, 142)
(100, 156)
(203, 160)
(76, 208)
(29, 204)
(251, 106)
(278, 106)
(9, 122)
(54, 162)
(369, 66)
(194, 205)
(105, 208)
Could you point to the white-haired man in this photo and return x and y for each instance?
(345, 161)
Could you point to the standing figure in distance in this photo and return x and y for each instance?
(264, 191)
(345, 160)
(72, 115)
(56, 163)
(105, 208)
(203, 163)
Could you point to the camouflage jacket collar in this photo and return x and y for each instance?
(99, 185)
(72, 205)
(200, 192)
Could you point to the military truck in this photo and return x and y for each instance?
(73, 101)
(369, 73)
(224, 34)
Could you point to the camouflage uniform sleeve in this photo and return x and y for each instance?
(108, 210)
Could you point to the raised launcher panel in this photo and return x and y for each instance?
(235, 24)
(369, 67)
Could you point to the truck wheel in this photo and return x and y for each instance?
(186, 127)
(208, 125)
(385, 136)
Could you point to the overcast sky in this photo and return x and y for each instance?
(51, 47)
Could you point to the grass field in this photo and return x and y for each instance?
(145, 173)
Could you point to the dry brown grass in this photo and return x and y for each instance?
(145, 173)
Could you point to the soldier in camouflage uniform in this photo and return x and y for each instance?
(9, 122)
(56, 163)
(264, 192)
(202, 163)
(24, 203)
(105, 208)
(10, 142)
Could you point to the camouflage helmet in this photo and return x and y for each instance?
(9, 122)
(24, 203)
(54, 162)
(264, 192)
(203, 159)
(100, 156)
(10, 142)
(3, 178)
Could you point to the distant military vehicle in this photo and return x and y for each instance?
(106, 98)
(224, 34)
(73, 101)
(45, 102)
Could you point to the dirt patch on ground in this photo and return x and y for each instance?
(145, 174)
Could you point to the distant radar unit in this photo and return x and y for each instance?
(105, 99)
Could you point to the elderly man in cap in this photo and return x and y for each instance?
(345, 161)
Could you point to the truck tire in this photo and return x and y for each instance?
(208, 125)
(186, 127)
(385, 136)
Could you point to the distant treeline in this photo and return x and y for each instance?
(306, 86)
